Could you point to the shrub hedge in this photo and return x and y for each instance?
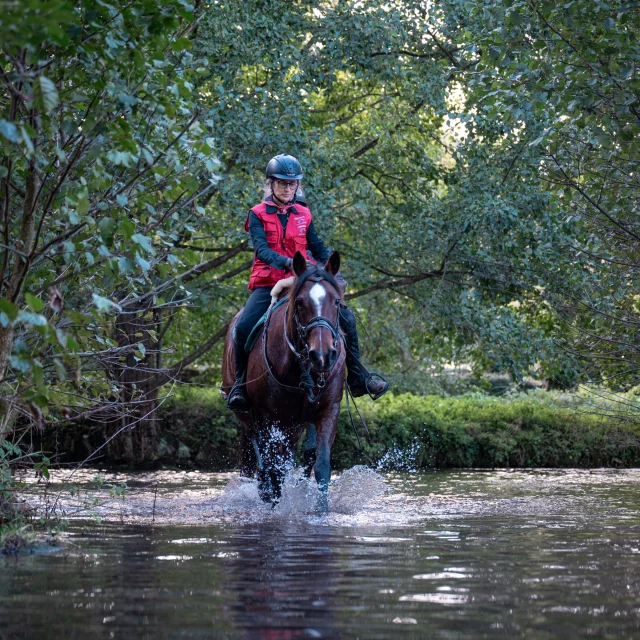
(540, 429)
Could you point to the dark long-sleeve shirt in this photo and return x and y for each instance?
(319, 251)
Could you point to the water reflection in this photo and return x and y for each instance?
(284, 579)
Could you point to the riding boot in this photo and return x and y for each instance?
(238, 399)
(360, 380)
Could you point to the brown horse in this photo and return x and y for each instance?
(295, 378)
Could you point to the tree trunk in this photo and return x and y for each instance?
(23, 248)
(134, 430)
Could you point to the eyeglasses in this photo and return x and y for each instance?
(286, 184)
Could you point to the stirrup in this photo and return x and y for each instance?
(380, 393)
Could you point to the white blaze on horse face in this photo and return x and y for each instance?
(318, 293)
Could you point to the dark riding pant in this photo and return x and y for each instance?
(256, 307)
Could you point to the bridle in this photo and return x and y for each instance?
(305, 329)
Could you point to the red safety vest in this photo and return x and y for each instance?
(283, 241)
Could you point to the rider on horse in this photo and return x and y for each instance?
(280, 226)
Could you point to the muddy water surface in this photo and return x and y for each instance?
(540, 554)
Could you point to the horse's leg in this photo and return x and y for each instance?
(309, 453)
(248, 451)
(275, 450)
(326, 433)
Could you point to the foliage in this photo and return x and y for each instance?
(442, 245)
(103, 161)
(411, 432)
(16, 536)
(199, 420)
(479, 431)
(565, 75)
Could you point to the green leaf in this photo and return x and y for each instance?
(34, 319)
(82, 207)
(47, 93)
(38, 375)
(10, 309)
(127, 229)
(22, 365)
(61, 337)
(626, 72)
(60, 370)
(142, 263)
(107, 227)
(35, 304)
(144, 242)
(124, 265)
(9, 131)
(180, 44)
(104, 304)
(26, 138)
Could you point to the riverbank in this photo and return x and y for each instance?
(538, 429)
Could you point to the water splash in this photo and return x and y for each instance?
(349, 494)
(241, 496)
(300, 495)
(355, 489)
(406, 459)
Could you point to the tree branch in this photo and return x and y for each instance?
(161, 377)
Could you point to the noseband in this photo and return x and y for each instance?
(318, 321)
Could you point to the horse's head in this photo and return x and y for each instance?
(314, 308)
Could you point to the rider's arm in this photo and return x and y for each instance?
(261, 246)
(318, 249)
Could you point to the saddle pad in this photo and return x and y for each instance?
(255, 332)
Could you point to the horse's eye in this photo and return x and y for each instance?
(297, 303)
(337, 303)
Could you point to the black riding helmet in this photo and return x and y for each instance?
(284, 167)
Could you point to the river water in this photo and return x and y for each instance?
(460, 554)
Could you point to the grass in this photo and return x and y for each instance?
(15, 536)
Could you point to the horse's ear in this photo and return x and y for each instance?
(299, 264)
(333, 263)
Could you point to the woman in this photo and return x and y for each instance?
(280, 226)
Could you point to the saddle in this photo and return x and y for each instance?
(255, 332)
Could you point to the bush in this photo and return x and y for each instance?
(408, 432)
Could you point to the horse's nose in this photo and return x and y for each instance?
(316, 358)
(323, 362)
